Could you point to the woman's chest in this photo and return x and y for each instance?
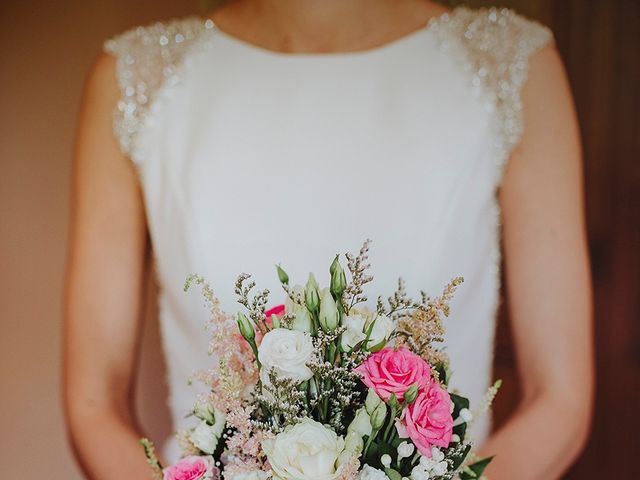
(255, 163)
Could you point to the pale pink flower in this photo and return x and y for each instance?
(428, 421)
(392, 371)
(192, 468)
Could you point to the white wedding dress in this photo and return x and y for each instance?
(248, 158)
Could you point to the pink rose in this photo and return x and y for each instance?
(392, 371)
(428, 421)
(192, 468)
(278, 311)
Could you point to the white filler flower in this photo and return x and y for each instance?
(287, 352)
(305, 451)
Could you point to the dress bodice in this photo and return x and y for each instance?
(249, 158)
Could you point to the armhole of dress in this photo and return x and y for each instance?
(528, 38)
(493, 48)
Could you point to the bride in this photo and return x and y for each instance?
(291, 130)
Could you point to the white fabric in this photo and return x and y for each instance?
(255, 158)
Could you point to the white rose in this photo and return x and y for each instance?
(251, 475)
(288, 352)
(361, 423)
(205, 437)
(304, 451)
(370, 473)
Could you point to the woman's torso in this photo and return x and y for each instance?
(248, 158)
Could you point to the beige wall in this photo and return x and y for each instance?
(45, 50)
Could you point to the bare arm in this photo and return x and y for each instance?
(103, 291)
(548, 281)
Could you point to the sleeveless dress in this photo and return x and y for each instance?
(248, 158)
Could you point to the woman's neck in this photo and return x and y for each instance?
(305, 26)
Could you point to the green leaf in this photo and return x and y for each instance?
(475, 470)
(393, 474)
(459, 403)
(460, 430)
(457, 461)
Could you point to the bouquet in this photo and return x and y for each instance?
(321, 388)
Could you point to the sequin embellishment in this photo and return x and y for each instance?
(496, 46)
(148, 58)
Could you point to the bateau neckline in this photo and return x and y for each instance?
(390, 45)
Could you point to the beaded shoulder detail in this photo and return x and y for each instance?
(148, 57)
(496, 47)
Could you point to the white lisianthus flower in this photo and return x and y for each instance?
(305, 451)
(287, 352)
(361, 423)
(302, 321)
(205, 437)
(353, 446)
(385, 460)
(354, 332)
(370, 473)
(382, 330)
(353, 443)
(204, 411)
(357, 324)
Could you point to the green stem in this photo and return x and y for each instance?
(370, 440)
(388, 430)
(254, 348)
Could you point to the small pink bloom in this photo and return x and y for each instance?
(392, 371)
(192, 468)
(428, 421)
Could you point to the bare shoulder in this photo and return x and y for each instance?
(101, 79)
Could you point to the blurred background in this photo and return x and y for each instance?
(46, 48)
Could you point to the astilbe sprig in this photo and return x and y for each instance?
(235, 374)
(419, 325)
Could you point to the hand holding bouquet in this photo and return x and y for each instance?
(322, 389)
